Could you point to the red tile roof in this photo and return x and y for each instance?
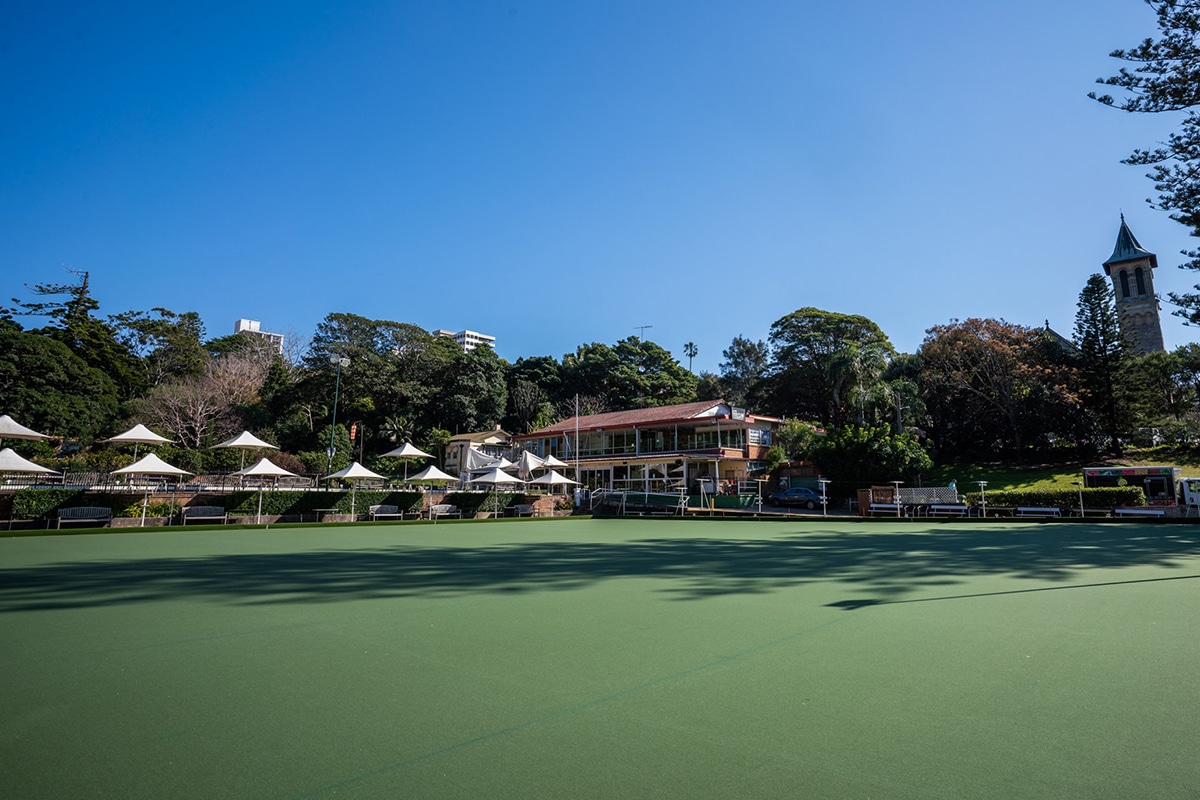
(639, 417)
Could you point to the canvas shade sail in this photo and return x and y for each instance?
(476, 459)
(138, 434)
(553, 478)
(265, 468)
(497, 477)
(11, 429)
(151, 465)
(527, 463)
(432, 474)
(406, 450)
(245, 441)
(356, 472)
(11, 462)
(551, 462)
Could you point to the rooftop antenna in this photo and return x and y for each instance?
(641, 329)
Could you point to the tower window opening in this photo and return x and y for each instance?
(1141, 280)
(1124, 283)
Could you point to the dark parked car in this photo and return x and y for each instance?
(795, 496)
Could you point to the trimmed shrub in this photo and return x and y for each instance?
(473, 502)
(1105, 497)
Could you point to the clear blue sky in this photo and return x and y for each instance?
(557, 173)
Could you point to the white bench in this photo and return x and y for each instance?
(383, 511)
(206, 513)
(84, 514)
(1038, 511)
(444, 510)
(890, 509)
(1140, 512)
(947, 510)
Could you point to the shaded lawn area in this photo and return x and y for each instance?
(607, 658)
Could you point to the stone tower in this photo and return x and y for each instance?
(1131, 268)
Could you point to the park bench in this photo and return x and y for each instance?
(444, 510)
(84, 514)
(1038, 511)
(887, 509)
(1140, 512)
(946, 510)
(1092, 512)
(383, 511)
(205, 513)
(521, 510)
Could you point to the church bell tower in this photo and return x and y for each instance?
(1131, 268)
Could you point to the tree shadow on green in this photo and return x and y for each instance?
(882, 564)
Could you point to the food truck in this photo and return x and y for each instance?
(1158, 482)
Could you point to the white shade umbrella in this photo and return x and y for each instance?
(432, 474)
(527, 463)
(354, 473)
(10, 429)
(407, 452)
(151, 465)
(497, 477)
(244, 441)
(476, 459)
(11, 462)
(138, 434)
(551, 462)
(264, 469)
(553, 478)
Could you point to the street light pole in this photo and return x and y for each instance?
(338, 362)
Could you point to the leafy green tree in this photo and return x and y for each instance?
(821, 360)
(168, 345)
(991, 385)
(709, 387)
(866, 454)
(93, 340)
(635, 373)
(474, 396)
(1166, 78)
(746, 364)
(46, 386)
(796, 438)
(1105, 361)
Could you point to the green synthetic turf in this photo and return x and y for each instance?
(604, 659)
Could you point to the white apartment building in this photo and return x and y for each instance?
(254, 328)
(468, 340)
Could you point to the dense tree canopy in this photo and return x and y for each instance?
(823, 361)
(1165, 77)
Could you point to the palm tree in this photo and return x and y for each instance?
(691, 351)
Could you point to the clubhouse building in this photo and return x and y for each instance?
(708, 444)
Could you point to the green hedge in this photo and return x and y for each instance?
(38, 503)
(307, 502)
(1108, 497)
(472, 502)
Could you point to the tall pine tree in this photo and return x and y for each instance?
(1105, 360)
